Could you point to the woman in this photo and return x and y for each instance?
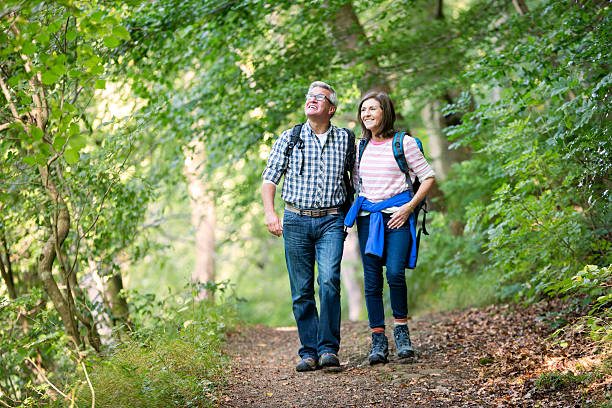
(383, 211)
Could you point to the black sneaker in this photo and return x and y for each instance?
(380, 349)
(307, 364)
(329, 360)
(402, 341)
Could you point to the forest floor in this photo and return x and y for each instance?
(491, 357)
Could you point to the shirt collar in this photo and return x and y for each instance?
(311, 132)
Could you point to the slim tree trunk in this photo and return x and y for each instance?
(350, 38)
(350, 278)
(118, 303)
(47, 258)
(520, 7)
(6, 267)
(202, 218)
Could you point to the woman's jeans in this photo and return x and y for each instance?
(395, 254)
(309, 239)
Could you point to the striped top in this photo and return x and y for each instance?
(380, 178)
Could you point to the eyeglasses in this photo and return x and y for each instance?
(318, 97)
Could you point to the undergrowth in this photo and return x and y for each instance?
(172, 359)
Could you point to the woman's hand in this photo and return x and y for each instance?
(400, 217)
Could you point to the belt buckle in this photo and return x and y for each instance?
(318, 212)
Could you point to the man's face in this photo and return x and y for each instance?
(319, 109)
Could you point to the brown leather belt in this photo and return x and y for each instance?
(316, 212)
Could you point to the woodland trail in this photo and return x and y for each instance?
(474, 358)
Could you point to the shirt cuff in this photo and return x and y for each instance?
(268, 182)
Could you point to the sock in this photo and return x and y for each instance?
(378, 330)
(401, 322)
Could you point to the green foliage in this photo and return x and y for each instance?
(173, 360)
(538, 199)
(31, 339)
(556, 380)
(589, 286)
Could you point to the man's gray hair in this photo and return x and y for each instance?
(333, 97)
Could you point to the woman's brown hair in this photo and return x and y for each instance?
(388, 117)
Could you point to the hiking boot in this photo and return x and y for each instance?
(380, 349)
(402, 341)
(307, 364)
(329, 360)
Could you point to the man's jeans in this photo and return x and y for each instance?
(395, 254)
(308, 239)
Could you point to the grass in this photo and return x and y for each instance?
(177, 362)
(557, 380)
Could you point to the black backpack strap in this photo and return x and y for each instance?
(400, 158)
(362, 146)
(296, 140)
(349, 163)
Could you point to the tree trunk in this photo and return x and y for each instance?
(349, 37)
(47, 258)
(438, 145)
(6, 267)
(520, 7)
(350, 278)
(118, 303)
(202, 218)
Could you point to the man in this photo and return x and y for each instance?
(312, 226)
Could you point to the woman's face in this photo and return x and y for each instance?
(371, 115)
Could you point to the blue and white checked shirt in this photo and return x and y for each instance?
(320, 183)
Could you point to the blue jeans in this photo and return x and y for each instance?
(308, 239)
(395, 254)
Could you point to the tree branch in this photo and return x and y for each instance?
(520, 7)
(9, 99)
(38, 90)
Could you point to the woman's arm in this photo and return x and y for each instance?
(399, 217)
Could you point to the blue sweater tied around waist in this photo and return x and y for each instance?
(376, 237)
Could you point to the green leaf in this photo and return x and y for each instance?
(77, 142)
(43, 38)
(36, 133)
(111, 41)
(29, 160)
(71, 156)
(97, 16)
(74, 73)
(97, 70)
(49, 77)
(28, 49)
(71, 35)
(74, 129)
(59, 69)
(59, 142)
(100, 84)
(121, 33)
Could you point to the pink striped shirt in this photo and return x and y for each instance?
(380, 177)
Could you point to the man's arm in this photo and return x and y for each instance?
(273, 223)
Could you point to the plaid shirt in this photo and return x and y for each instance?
(313, 173)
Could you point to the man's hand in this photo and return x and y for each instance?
(273, 223)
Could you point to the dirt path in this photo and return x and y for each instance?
(474, 358)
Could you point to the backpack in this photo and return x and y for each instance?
(400, 158)
(296, 140)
